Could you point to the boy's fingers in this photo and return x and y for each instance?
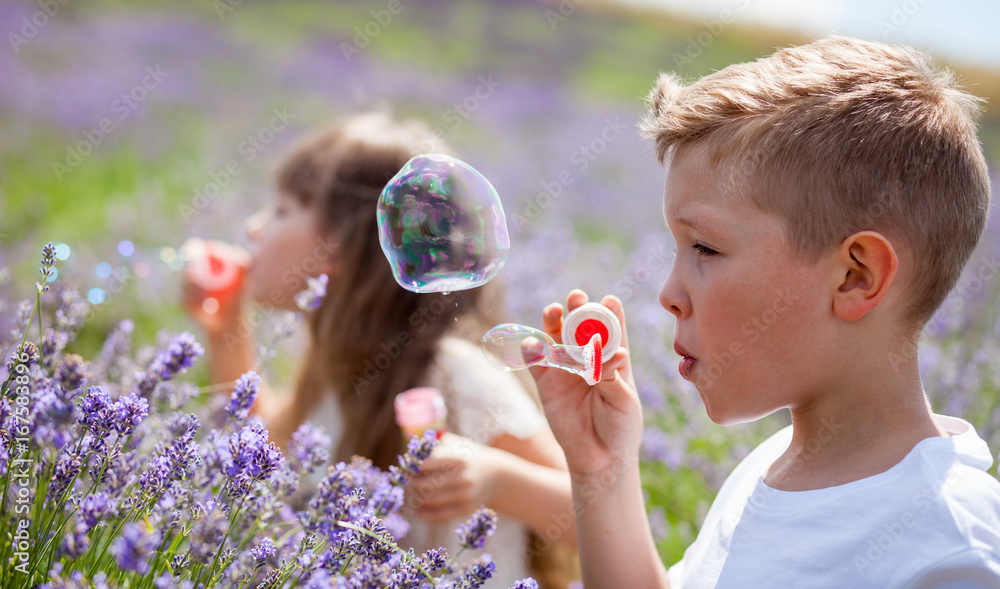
(576, 298)
(615, 305)
(552, 321)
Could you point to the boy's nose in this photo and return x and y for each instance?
(673, 298)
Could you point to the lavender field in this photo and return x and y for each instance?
(127, 129)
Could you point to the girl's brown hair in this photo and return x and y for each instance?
(371, 339)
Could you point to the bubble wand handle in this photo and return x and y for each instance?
(510, 346)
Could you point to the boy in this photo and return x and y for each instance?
(839, 187)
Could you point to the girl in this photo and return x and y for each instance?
(370, 339)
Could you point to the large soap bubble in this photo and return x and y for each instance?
(442, 226)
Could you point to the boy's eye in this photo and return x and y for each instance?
(703, 250)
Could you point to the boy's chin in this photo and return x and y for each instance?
(722, 413)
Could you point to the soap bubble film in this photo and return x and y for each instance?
(442, 226)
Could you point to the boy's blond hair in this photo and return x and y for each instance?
(839, 136)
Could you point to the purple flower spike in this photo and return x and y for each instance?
(243, 396)
(308, 448)
(262, 552)
(98, 412)
(311, 298)
(133, 549)
(176, 359)
(131, 410)
(474, 532)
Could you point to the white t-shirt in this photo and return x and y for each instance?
(933, 520)
(483, 402)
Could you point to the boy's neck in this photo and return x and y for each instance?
(859, 431)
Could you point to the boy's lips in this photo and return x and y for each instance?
(681, 351)
(686, 364)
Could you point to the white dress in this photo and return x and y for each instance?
(483, 403)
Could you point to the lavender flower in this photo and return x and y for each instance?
(53, 342)
(417, 450)
(72, 372)
(247, 457)
(243, 396)
(97, 411)
(93, 508)
(24, 309)
(307, 448)
(48, 261)
(133, 548)
(131, 410)
(262, 552)
(434, 560)
(477, 572)
(116, 348)
(75, 542)
(528, 583)
(375, 543)
(311, 298)
(66, 469)
(481, 524)
(176, 359)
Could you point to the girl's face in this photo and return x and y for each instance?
(288, 246)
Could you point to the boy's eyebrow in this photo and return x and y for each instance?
(698, 224)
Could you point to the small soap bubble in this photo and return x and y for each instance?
(96, 296)
(62, 251)
(442, 226)
(103, 270)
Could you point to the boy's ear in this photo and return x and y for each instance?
(868, 264)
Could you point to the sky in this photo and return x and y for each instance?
(963, 31)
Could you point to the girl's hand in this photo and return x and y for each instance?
(459, 476)
(598, 427)
(224, 314)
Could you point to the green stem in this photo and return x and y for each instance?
(20, 349)
(97, 562)
(218, 553)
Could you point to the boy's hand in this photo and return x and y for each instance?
(597, 426)
(225, 316)
(458, 477)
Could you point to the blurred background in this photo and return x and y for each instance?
(126, 128)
